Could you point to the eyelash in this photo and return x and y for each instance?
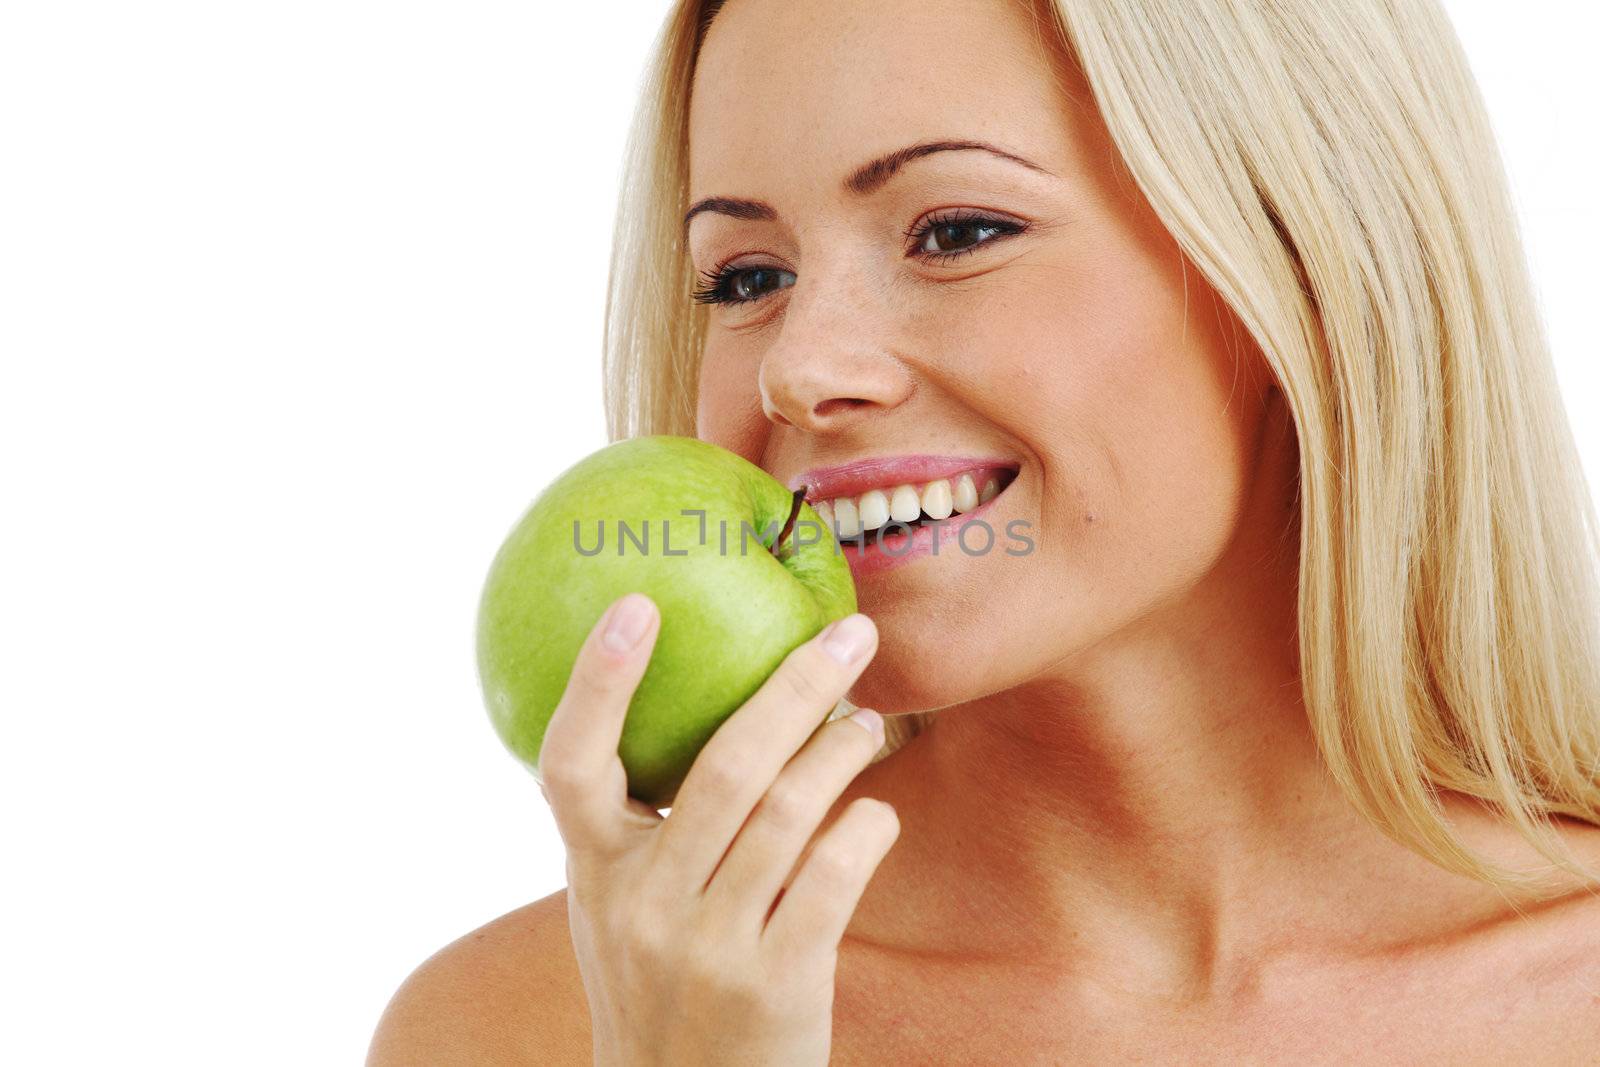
(719, 283)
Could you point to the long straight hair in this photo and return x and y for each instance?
(1330, 169)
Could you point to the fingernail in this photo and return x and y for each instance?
(629, 621)
(848, 639)
(870, 721)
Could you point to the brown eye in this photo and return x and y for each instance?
(734, 285)
(750, 284)
(956, 234)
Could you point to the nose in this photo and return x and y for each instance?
(830, 366)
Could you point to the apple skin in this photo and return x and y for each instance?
(727, 620)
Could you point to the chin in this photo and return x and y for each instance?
(886, 688)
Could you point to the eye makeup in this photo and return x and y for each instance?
(734, 285)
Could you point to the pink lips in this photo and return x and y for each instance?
(853, 479)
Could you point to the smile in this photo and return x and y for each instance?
(910, 503)
(901, 493)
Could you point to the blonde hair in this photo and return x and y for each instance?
(1330, 169)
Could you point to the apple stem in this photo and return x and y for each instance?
(794, 513)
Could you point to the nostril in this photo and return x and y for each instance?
(837, 406)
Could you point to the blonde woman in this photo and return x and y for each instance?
(1281, 745)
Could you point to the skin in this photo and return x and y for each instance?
(1116, 842)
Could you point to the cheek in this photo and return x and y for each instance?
(1159, 415)
(1119, 371)
(728, 403)
(1143, 432)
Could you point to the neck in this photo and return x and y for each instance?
(1153, 811)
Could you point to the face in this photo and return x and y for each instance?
(1027, 318)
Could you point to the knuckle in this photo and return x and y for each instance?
(787, 807)
(801, 681)
(586, 685)
(559, 777)
(833, 865)
(723, 774)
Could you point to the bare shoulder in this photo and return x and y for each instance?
(1556, 974)
(508, 992)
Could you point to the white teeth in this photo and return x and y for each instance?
(824, 512)
(936, 500)
(905, 505)
(848, 519)
(965, 494)
(874, 508)
(849, 516)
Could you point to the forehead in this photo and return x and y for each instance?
(788, 92)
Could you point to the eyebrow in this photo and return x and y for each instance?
(865, 179)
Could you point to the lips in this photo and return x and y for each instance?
(876, 507)
(887, 472)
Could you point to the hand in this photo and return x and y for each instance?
(701, 937)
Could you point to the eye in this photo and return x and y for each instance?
(741, 285)
(963, 230)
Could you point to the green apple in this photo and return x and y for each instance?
(742, 570)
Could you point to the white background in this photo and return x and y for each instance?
(300, 304)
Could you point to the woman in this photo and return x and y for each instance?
(1282, 745)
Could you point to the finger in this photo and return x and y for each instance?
(784, 822)
(737, 766)
(578, 766)
(816, 908)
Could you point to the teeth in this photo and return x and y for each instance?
(845, 514)
(936, 501)
(965, 495)
(824, 512)
(874, 507)
(905, 505)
